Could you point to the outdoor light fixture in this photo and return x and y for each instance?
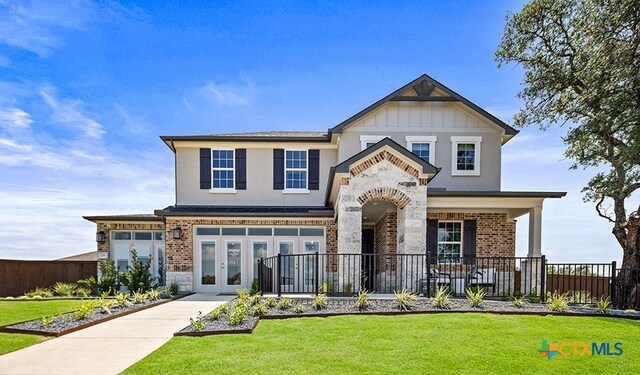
(100, 237)
(177, 233)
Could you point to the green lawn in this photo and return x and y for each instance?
(18, 311)
(443, 343)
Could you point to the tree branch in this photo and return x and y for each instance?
(599, 210)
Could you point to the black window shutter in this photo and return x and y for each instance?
(432, 239)
(278, 169)
(205, 168)
(314, 169)
(469, 242)
(241, 169)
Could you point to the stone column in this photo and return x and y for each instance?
(349, 240)
(412, 235)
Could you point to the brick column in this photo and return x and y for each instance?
(179, 253)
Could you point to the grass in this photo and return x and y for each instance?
(18, 311)
(444, 343)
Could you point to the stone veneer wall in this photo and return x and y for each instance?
(495, 235)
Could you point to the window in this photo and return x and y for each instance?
(367, 141)
(259, 251)
(223, 169)
(310, 248)
(295, 169)
(423, 147)
(449, 241)
(465, 156)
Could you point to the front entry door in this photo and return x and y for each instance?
(218, 266)
(368, 260)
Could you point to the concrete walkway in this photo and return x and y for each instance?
(109, 347)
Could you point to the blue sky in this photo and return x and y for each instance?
(86, 89)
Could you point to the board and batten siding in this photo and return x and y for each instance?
(443, 120)
(259, 182)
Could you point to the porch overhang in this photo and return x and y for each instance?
(424, 171)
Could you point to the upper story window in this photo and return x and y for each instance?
(449, 241)
(223, 169)
(465, 156)
(296, 165)
(367, 141)
(423, 147)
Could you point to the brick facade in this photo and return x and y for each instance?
(103, 247)
(386, 234)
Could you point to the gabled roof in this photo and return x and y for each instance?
(424, 87)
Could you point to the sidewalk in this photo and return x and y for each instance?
(109, 347)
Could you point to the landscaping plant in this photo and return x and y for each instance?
(105, 305)
(154, 294)
(518, 302)
(442, 298)
(260, 309)
(237, 315)
(320, 302)
(362, 300)
(405, 299)
(89, 284)
(476, 297)
(559, 302)
(122, 299)
(284, 304)
(218, 312)
(255, 299)
(534, 296)
(138, 276)
(174, 288)
(64, 289)
(198, 324)
(270, 302)
(603, 305)
(84, 310)
(298, 309)
(108, 282)
(139, 297)
(42, 292)
(47, 321)
(327, 287)
(83, 292)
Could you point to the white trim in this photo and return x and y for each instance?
(223, 191)
(430, 139)
(304, 190)
(461, 242)
(213, 169)
(364, 139)
(476, 141)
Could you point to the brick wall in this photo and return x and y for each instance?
(108, 227)
(386, 240)
(496, 236)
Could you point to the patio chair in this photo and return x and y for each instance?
(482, 277)
(437, 279)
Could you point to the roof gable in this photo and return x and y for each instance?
(425, 89)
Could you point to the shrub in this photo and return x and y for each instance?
(84, 310)
(284, 304)
(122, 299)
(320, 302)
(270, 302)
(260, 309)
(139, 297)
(64, 289)
(404, 299)
(23, 297)
(218, 312)
(254, 287)
(298, 309)
(174, 288)
(362, 300)
(223, 308)
(327, 287)
(105, 305)
(476, 297)
(138, 276)
(534, 296)
(255, 299)
(89, 284)
(243, 294)
(506, 296)
(42, 292)
(442, 298)
(83, 292)
(558, 302)
(603, 305)
(108, 282)
(154, 294)
(237, 315)
(47, 321)
(198, 324)
(518, 302)
(37, 297)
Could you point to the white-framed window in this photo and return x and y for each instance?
(449, 241)
(465, 156)
(367, 141)
(223, 173)
(296, 169)
(423, 146)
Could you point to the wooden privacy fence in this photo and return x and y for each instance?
(20, 276)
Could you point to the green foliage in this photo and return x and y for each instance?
(138, 276)
(105, 305)
(327, 287)
(218, 312)
(90, 284)
(139, 297)
(255, 299)
(223, 308)
(284, 303)
(198, 324)
(174, 288)
(42, 292)
(362, 300)
(254, 287)
(154, 294)
(84, 310)
(518, 302)
(506, 296)
(64, 289)
(83, 292)
(558, 302)
(320, 302)
(298, 309)
(122, 300)
(475, 297)
(442, 298)
(47, 321)
(603, 305)
(260, 309)
(346, 288)
(108, 282)
(237, 314)
(534, 296)
(270, 302)
(405, 299)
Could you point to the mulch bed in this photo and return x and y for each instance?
(345, 306)
(67, 323)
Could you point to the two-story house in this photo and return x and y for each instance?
(418, 170)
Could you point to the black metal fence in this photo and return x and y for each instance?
(500, 277)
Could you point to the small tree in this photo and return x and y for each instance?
(138, 276)
(108, 282)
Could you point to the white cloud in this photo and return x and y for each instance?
(14, 118)
(69, 113)
(229, 94)
(13, 145)
(132, 123)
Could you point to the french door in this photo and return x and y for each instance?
(219, 265)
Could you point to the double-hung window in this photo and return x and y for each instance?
(223, 176)
(449, 241)
(367, 141)
(465, 159)
(296, 168)
(423, 147)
